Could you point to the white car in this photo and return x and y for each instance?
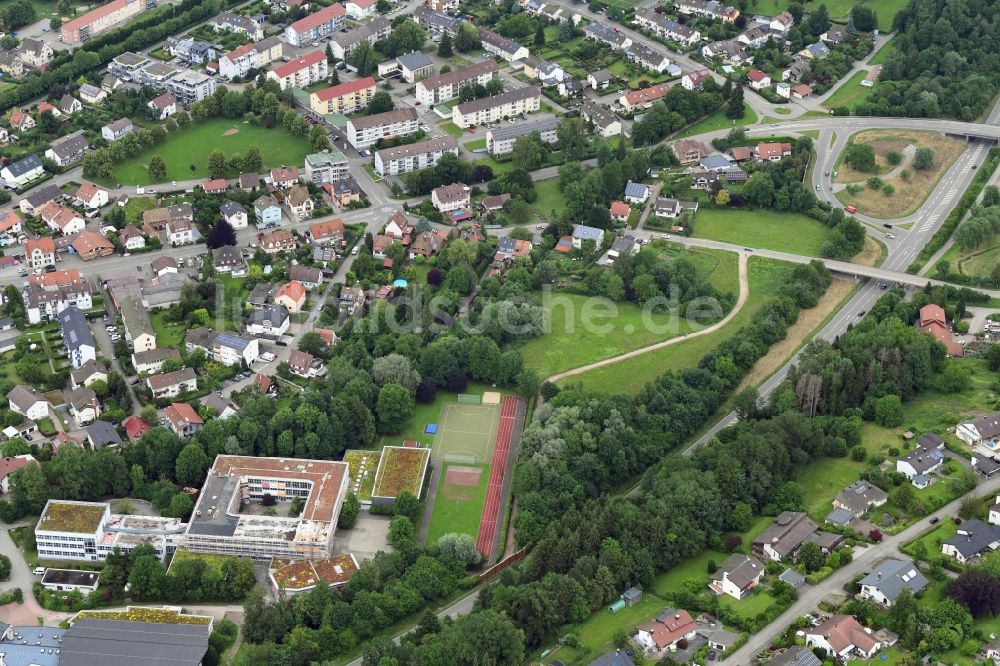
(38, 571)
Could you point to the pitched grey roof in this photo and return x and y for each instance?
(635, 189)
(497, 100)
(24, 397)
(798, 655)
(974, 537)
(24, 165)
(415, 60)
(70, 145)
(76, 332)
(988, 425)
(741, 569)
(839, 516)
(275, 316)
(922, 459)
(97, 642)
(930, 440)
(86, 371)
(892, 576)
(81, 397)
(506, 132)
(584, 232)
(42, 195)
(792, 577)
(100, 434)
(230, 208)
(860, 495)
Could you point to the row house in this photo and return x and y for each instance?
(707, 8)
(68, 150)
(606, 34)
(172, 384)
(648, 57)
(230, 22)
(667, 28)
(499, 45)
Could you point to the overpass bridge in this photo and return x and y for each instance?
(953, 127)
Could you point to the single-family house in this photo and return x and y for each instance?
(70, 149)
(299, 202)
(636, 193)
(234, 214)
(172, 384)
(279, 240)
(447, 198)
(859, 497)
(772, 152)
(668, 207)
(582, 233)
(428, 244)
(920, 461)
(163, 106)
(28, 402)
(271, 321)
(91, 196)
(657, 637)
(151, 361)
(784, 536)
(972, 538)
(842, 636)
(83, 405)
(737, 575)
(886, 582)
(100, 434)
(228, 259)
(620, 211)
(303, 364)
(292, 295)
(117, 129)
(981, 432)
(689, 151)
(267, 212)
(18, 174)
(184, 421)
(758, 79)
(180, 232)
(328, 232)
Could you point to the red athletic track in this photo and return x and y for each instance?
(494, 488)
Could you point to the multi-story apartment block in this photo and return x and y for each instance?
(316, 26)
(500, 46)
(363, 132)
(343, 98)
(127, 66)
(301, 72)
(79, 341)
(343, 43)
(500, 141)
(46, 295)
(326, 167)
(40, 253)
(218, 526)
(402, 159)
(497, 107)
(238, 62)
(444, 87)
(435, 22)
(102, 19)
(190, 86)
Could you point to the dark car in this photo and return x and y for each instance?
(712, 654)
(934, 520)
(861, 313)
(887, 226)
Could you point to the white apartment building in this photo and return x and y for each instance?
(445, 87)
(89, 532)
(365, 131)
(403, 159)
(238, 62)
(497, 107)
(500, 140)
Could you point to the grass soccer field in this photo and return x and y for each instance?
(190, 146)
(458, 504)
(466, 432)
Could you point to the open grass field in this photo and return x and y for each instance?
(458, 508)
(934, 411)
(630, 375)
(910, 193)
(977, 262)
(839, 10)
(850, 92)
(190, 147)
(616, 328)
(549, 198)
(362, 466)
(597, 633)
(766, 229)
(718, 121)
(822, 479)
(882, 55)
(452, 128)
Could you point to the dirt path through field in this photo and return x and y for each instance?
(744, 293)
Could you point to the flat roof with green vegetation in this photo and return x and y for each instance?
(81, 517)
(362, 466)
(189, 147)
(212, 561)
(401, 469)
(163, 615)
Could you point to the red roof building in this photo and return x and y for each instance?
(933, 321)
(308, 60)
(135, 427)
(757, 76)
(342, 89)
(215, 186)
(620, 211)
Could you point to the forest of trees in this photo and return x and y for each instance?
(944, 62)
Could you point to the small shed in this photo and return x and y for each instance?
(631, 596)
(616, 606)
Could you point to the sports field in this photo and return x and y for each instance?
(466, 433)
(189, 147)
(489, 523)
(458, 504)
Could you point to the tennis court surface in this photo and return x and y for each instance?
(466, 433)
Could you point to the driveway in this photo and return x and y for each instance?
(30, 612)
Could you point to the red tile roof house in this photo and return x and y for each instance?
(264, 384)
(656, 637)
(620, 211)
(285, 177)
(758, 79)
(292, 295)
(330, 231)
(10, 465)
(183, 419)
(135, 427)
(215, 186)
(842, 635)
(932, 320)
(772, 152)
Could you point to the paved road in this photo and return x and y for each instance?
(861, 564)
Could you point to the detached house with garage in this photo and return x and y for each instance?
(859, 497)
(270, 321)
(28, 402)
(782, 539)
(172, 384)
(919, 464)
(737, 575)
(972, 539)
(657, 637)
(982, 432)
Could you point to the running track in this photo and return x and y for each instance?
(494, 488)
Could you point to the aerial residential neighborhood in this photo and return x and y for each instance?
(500, 332)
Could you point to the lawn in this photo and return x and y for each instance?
(977, 262)
(136, 206)
(882, 55)
(453, 129)
(212, 561)
(186, 150)
(932, 538)
(478, 144)
(168, 334)
(454, 513)
(850, 92)
(934, 411)
(750, 606)
(885, 10)
(630, 375)
(766, 229)
(822, 479)
(583, 330)
(598, 632)
(719, 121)
(549, 198)
(909, 194)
